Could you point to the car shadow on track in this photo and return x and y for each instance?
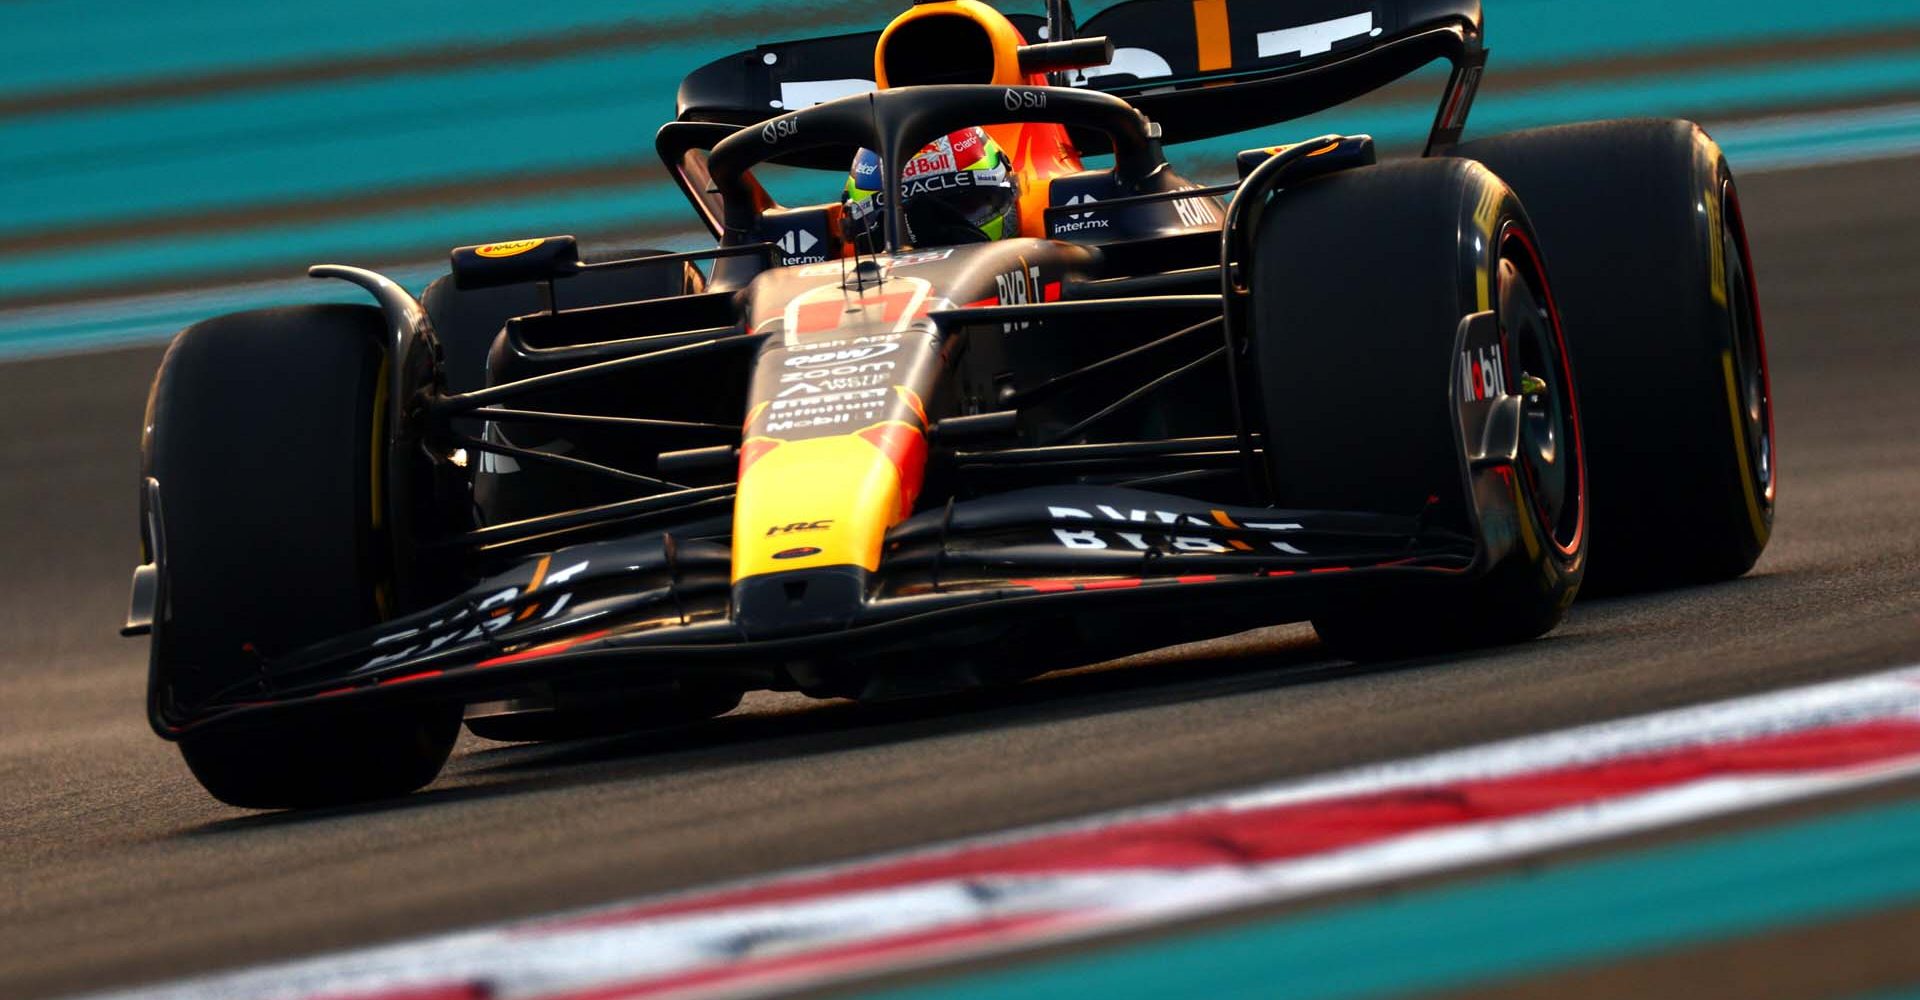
(795, 727)
(799, 727)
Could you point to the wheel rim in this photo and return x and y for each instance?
(1755, 403)
(1550, 446)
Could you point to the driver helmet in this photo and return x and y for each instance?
(960, 189)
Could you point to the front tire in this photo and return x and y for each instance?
(1643, 227)
(1361, 281)
(262, 432)
(338, 761)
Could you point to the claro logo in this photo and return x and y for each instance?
(1018, 100)
(844, 355)
(778, 129)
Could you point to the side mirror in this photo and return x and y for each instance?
(1063, 57)
(491, 265)
(1347, 151)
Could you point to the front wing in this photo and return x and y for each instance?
(977, 575)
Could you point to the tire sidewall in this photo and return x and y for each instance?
(1542, 561)
(1414, 249)
(1631, 215)
(265, 438)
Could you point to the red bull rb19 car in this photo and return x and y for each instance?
(854, 453)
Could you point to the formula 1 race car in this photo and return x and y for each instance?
(565, 494)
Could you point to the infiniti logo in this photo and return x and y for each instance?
(1019, 99)
(778, 129)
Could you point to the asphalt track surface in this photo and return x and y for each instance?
(117, 869)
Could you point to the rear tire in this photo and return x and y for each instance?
(262, 432)
(1643, 230)
(1361, 281)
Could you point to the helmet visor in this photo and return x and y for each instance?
(960, 189)
(958, 205)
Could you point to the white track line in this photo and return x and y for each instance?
(989, 894)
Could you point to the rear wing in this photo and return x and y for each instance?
(1200, 68)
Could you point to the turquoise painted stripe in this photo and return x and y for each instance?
(277, 147)
(399, 233)
(133, 135)
(1789, 142)
(655, 205)
(64, 44)
(600, 212)
(419, 232)
(150, 319)
(1879, 132)
(265, 149)
(1540, 31)
(55, 45)
(1505, 926)
(1700, 94)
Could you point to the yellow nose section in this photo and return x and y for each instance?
(824, 501)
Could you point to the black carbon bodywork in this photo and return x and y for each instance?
(1081, 465)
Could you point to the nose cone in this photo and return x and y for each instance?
(834, 454)
(824, 501)
(810, 520)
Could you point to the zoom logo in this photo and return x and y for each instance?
(778, 129)
(1018, 100)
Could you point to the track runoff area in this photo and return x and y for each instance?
(1180, 900)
